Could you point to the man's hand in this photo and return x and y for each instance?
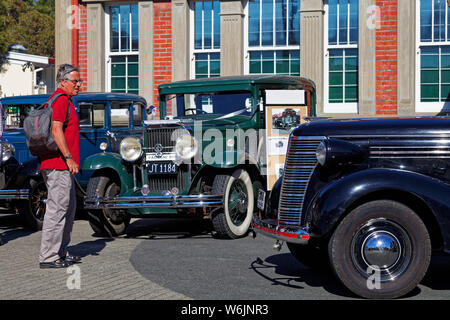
(73, 166)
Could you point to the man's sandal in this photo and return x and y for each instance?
(72, 259)
(54, 264)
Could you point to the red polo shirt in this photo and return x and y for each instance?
(71, 133)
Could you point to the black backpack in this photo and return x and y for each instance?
(38, 125)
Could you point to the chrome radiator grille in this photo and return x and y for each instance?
(162, 136)
(165, 137)
(300, 163)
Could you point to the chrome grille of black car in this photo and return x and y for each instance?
(300, 163)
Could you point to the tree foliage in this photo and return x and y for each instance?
(30, 23)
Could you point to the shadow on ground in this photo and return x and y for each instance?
(161, 228)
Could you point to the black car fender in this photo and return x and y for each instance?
(338, 198)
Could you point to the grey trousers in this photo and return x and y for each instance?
(59, 214)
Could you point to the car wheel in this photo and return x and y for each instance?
(32, 211)
(106, 222)
(381, 249)
(234, 218)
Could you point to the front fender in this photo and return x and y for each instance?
(111, 161)
(30, 167)
(333, 201)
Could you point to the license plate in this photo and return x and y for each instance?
(162, 168)
(261, 199)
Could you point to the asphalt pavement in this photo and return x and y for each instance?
(174, 260)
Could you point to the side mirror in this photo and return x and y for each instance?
(152, 111)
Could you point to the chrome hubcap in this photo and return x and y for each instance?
(381, 245)
(381, 249)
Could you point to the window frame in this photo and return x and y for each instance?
(273, 48)
(110, 54)
(343, 107)
(208, 51)
(436, 106)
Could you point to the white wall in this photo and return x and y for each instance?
(14, 81)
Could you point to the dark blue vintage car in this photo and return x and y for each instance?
(104, 118)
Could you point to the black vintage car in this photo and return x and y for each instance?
(369, 196)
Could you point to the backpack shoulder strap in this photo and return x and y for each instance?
(50, 102)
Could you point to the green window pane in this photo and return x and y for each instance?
(295, 67)
(255, 66)
(118, 83)
(133, 70)
(445, 61)
(215, 67)
(268, 67)
(351, 94)
(336, 64)
(445, 93)
(429, 76)
(283, 67)
(429, 93)
(133, 83)
(445, 76)
(118, 70)
(429, 61)
(201, 67)
(335, 95)
(351, 78)
(351, 63)
(336, 78)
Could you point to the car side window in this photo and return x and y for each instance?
(137, 114)
(92, 115)
(120, 115)
(16, 113)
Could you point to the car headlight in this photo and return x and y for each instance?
(335, 153)
(321, 153)
(8, 151)
(130, 149)
(186, 147)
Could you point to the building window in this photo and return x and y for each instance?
(433, 65)
(273, 37)
(205, 48)
(122, 46)
(341, 56)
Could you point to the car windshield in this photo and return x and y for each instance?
(239, 103)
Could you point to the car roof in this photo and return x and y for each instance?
(82, 96)
(235, 82)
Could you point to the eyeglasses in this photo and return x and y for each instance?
(75, 81)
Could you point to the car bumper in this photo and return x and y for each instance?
(271, 229)
(137, 202)
(15, 194)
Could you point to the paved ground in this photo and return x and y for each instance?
(106, 271)
(170, 261)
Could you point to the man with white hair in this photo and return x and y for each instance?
(58, 171)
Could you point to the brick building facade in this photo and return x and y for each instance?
(367, 57)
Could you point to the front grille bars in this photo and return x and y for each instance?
(299, 166)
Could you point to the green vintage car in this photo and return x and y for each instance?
(208, 156)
